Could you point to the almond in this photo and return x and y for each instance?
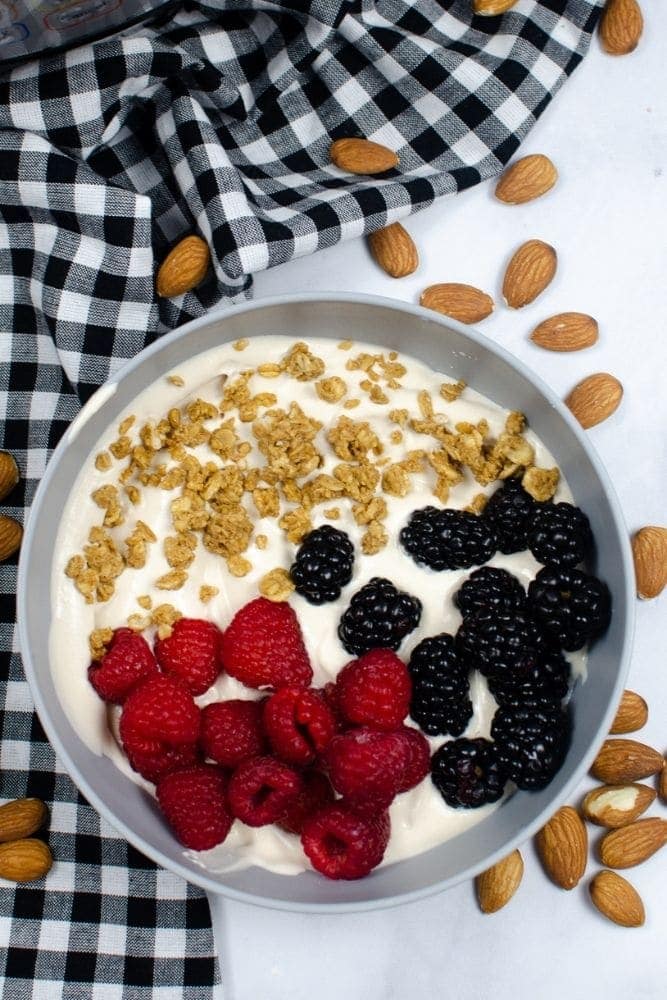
(9, 474)
(24, 860)
(563, 847)
(21, 818)
(497, 885)
(649, 553)
(617, 899)
(617, 805)
(361, 156)
(528, 273)
(621, 761)
(491, 8)
(594, 399)
(526, 179)
(662, 784)
(394, 250)
(631, 714)
(465, 303)
(568, 331)
(11, 534)
(183, 268)
(621, 27)
(634, 843)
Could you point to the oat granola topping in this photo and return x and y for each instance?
(276, 585)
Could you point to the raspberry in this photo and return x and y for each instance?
(262, 790)
(316, 792)
(231, 731)
(191, 652)
(128, 661)
(468, 773)
(379, 616)
(194, 803)
(369, 767)
(160, 709)
(323, 564)
(153, 760)
(342, 844)
(263, 646)
(375, 690)
(299, 724)
(416, 757)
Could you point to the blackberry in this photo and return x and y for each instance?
(447, 539)
(531, 743)
(379, 616)
(440, 703)
(507, 514)
(500, 642)
(559, 534)
(468, 773)
(323, 564)
(545, 684)
(491, 588)
(571, 607)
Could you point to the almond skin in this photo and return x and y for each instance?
(528, 273)
(563, 847)
(594, 399)
(617, 805)
(361, 156)
(568, 331)
(631, 715)
(649, 553)
(491, 8)
(616, 899)
(622, 761)
(394, 250)
(24, 860)
(634, 843)
(21, 818)
(183, 268)
(526, 179)
(621, 27)
(496, 886)
(9, 474)
(662, 784)
(465, 303)
(11, 534)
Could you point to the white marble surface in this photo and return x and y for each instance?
(607, 133)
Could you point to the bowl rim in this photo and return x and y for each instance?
(204, 880)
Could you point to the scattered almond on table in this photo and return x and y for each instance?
(11, 534)
(629, 845)
(491, 8)
(9, 474)
(394, 250)
(567, 331)
(562, 844)
(617, 899)
(23, 858)
(620, 761)
(649, 553)
(464, 303)
(617, 805)
(21, 818)
(526, 179)
(183, 268)
(631, 715)
(621, 26)
(594, 399)
(361, 156)
(531, 268)
(496, 886)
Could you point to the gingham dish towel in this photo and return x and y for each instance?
(214, 118)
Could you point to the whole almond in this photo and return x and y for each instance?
(617, 805)
(11, 534)
(361, 156)
(594, 399)
(394, 250)
(528, 273)
(617, 899)
(630, 845)
(526, 179)
(621, 761)
(568, 331)
(649, 553)
(496, 886)
(183, 268)
(21, 818)
(631, 714)
(491, 8)
(24, 860)
(465, 303)
(9, 474)
(662, 784)
(621, 27)
(563, 847)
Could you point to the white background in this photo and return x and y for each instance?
(607, 133)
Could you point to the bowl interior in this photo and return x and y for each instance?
(458, 353)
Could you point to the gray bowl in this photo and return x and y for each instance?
(456, 351)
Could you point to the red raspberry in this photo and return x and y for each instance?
(263, 646)
(342, 844)
(417, 761)
(191, 652)
(194, 803)
(317, 792)
(153, 760)
(299, 724)
(161, 711)
(261, 790)
(375, 690)
(127, 661)
(330, 692)
(369, 767)
(231, 731)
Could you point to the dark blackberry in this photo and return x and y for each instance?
(447, 539)
(379, 616)
(491, 588)
(468, 773)
(500, 642)
(531, 743)
(507, 513)
(571, 607)
(440, 702)
(323, 564)
(545, 684)
(559, 534)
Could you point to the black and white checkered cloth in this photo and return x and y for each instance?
(214, 118)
